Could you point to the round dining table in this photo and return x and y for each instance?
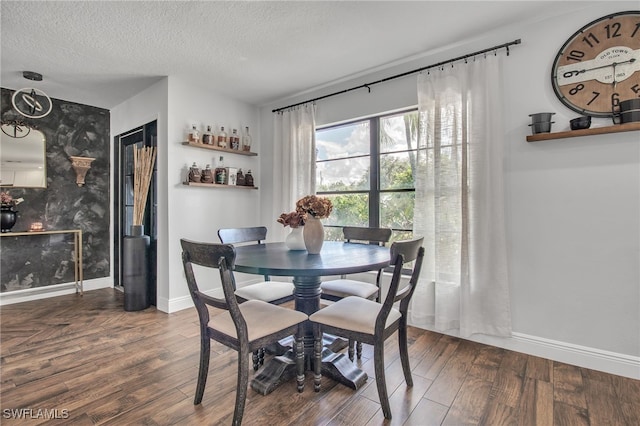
(307, 270)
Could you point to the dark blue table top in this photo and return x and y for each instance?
(335, 258)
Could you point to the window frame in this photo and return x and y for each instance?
(374, 191)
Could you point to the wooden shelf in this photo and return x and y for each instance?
(217, 148)
(217, 185)
(627, 127)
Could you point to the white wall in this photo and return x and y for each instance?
(145, 107)
(573, 205)
(190, 212)
(197, 213)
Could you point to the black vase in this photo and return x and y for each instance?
(8, 218)
(135, 266)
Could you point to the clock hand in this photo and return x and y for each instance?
(614, 64)
(614, 76)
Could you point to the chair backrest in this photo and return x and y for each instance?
(381, 236)
(211, 255)
(255, 234)
(402, 252)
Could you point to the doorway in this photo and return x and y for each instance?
(139, 137)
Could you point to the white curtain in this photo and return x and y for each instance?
(294, 162)
(459, 206)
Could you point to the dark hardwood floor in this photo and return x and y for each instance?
(87, 361)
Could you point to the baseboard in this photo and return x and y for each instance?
(582, 356)
(185, 302)
(37, 293)
(568, 353)
(176, 304)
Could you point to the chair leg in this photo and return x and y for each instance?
(404, 353)
(351, 344)
(261, 356)
(299, 351)
(241, 387)
(381, 382)
(203, 371)
(256, 360)
(317, 357)
(359, 350)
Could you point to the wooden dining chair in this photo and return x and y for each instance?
(243, 327)
(370, 322)
(276, 292)
(339, 289)
(335, 290)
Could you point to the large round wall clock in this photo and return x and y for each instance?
(599, 65)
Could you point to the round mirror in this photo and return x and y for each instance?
(23, 160)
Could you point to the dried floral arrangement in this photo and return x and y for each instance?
(318, 207)
(8, 201)
(293, 219)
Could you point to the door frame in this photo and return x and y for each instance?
(145, 135)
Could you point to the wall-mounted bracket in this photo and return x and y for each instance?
(81, 165)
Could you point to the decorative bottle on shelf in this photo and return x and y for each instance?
(207, 136)
(222, 138)
(207, 177)
(221, 172)
(240, 178)
(246, 140)
(234, 140)
(248, 178)
(194, 173)
(194, 135)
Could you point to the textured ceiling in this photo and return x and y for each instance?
(102, 53)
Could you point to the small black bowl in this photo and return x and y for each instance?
(580, 123)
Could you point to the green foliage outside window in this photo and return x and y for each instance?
(346, 180)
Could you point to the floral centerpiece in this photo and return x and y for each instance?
(318, 207)
(313, 208)
(8, 202)
(307, 231)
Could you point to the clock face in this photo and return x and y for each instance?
(599, 65)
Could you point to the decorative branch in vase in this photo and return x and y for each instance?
(143, 161)
(135, 247)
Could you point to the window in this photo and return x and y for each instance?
(367, 168)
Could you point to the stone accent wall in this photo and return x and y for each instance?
(36, 261)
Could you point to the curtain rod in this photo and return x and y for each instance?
(404, 74)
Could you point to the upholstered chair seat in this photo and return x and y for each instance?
(266, 291)
(262, 319)
(354, 313)
(342, 288)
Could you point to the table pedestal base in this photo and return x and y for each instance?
(336, 366)
(277, 370)
(334, 343)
